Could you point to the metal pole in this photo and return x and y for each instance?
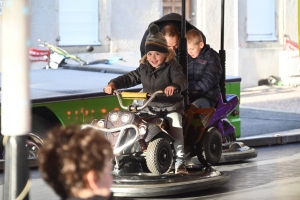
(15, 105)
(223, 55)
(299, 25)
(182, 50)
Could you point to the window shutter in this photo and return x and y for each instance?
(78, 22)
(261, 20)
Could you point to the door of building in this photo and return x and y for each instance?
(174, 6)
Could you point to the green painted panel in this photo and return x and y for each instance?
(85, 110)
(68, 112)
(97, 108)
(234, 88)
(237, 124)
(228, 88)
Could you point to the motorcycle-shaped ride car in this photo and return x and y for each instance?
(58, 57)
(134, 133)
(221, 124)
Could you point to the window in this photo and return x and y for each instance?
(261, 20)
(78, 22)
(174, 6)
(1, 6)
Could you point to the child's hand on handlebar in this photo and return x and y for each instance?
(169, 91)
(109, 88)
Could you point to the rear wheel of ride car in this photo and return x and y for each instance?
(32, 148)
(39, 127)
(159, 156)
(209, 149)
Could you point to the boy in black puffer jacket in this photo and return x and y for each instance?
(204, 71)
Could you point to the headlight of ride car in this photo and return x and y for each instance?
(142, 129)
(125, 118)
(100, 124)
(114, 117)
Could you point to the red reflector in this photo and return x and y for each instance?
(38, 55)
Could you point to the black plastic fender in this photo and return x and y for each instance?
(156, 131)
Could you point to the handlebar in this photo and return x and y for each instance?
(62, 52)
(136, 95)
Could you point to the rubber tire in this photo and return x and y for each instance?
(209, 149)
(40, 126)
(32, 148)
(159, 156)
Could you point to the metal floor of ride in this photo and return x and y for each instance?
(274, 174)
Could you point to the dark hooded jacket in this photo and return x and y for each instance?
(168, 74)
(172, 18)
(204, 73)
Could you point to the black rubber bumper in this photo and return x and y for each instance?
(148, 185)
(237, 151)
(236, 156)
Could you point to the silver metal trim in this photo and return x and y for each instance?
(117, 150)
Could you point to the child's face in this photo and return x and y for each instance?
(156, 58)
(194, 49)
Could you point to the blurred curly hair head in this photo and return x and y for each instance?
(68, 154)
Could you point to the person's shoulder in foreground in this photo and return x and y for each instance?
(76, 163)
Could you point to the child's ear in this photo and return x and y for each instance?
(201, 45)
(92, 179)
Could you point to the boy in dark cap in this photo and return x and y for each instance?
(159, 70)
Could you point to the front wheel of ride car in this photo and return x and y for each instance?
(209, 149)
(159, 156)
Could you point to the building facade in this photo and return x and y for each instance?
(255, 31)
